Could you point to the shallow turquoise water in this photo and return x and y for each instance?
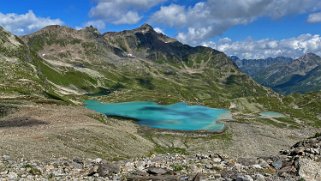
(178, 116)
(270, 114)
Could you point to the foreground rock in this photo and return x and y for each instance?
(302, 161)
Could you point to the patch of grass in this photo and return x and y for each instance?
(99, 117)
(178, 167)
(316, 135)
(172, 150)
(227, 136)
(271, 122)
(159, 149)
(146, 83)
(33, 170)
(71, 77)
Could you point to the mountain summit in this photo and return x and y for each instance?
(145, 28)
(139, 64)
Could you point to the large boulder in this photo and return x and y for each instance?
(309, 169)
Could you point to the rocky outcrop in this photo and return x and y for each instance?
(303, 159)
(309, 169)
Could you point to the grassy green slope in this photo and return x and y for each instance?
(158, 69)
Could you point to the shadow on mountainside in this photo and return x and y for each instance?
(21, 122)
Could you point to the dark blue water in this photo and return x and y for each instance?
(180, 116)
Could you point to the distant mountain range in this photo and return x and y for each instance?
(285, 75)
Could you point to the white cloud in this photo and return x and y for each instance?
(291, 47)
(121, 11)
(314, 18)
(21, 24)
(213, 17)
(173, 15)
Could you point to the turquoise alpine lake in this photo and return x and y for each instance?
(270, 114)
(179, 116)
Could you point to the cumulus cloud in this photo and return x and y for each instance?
(172, 15)
(21, 24)
(255, 49)
(212, 17)
(314, 18)
(121, 11)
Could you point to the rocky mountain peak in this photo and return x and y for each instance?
(52, 29)
(3, 32)
(308, 57)
(235, 58)
(91, 29)
(145, 28)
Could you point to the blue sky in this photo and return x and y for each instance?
(246, 28)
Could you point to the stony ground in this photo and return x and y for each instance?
(43, 141)
(47, 131)
(300, 162)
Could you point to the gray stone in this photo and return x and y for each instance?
(218, 167)
(278, 164)
(108, 169)
(92, 171)
(12, 176)
(217, 160)
(259, 177)
(257, 166)
(183, 178)
(98, 160)
(263, 163)
(209, 166)
(247, 161)
(309, 170)
(77, 165)
(316, 151)
(6, 157)
(247, 178)
(239, 178)
(156, 171)
(243, 178)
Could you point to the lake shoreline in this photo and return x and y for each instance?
(178, 117)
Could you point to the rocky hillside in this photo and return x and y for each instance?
(300, 162)
(138, 64)
(285, 75)
(18, 73)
